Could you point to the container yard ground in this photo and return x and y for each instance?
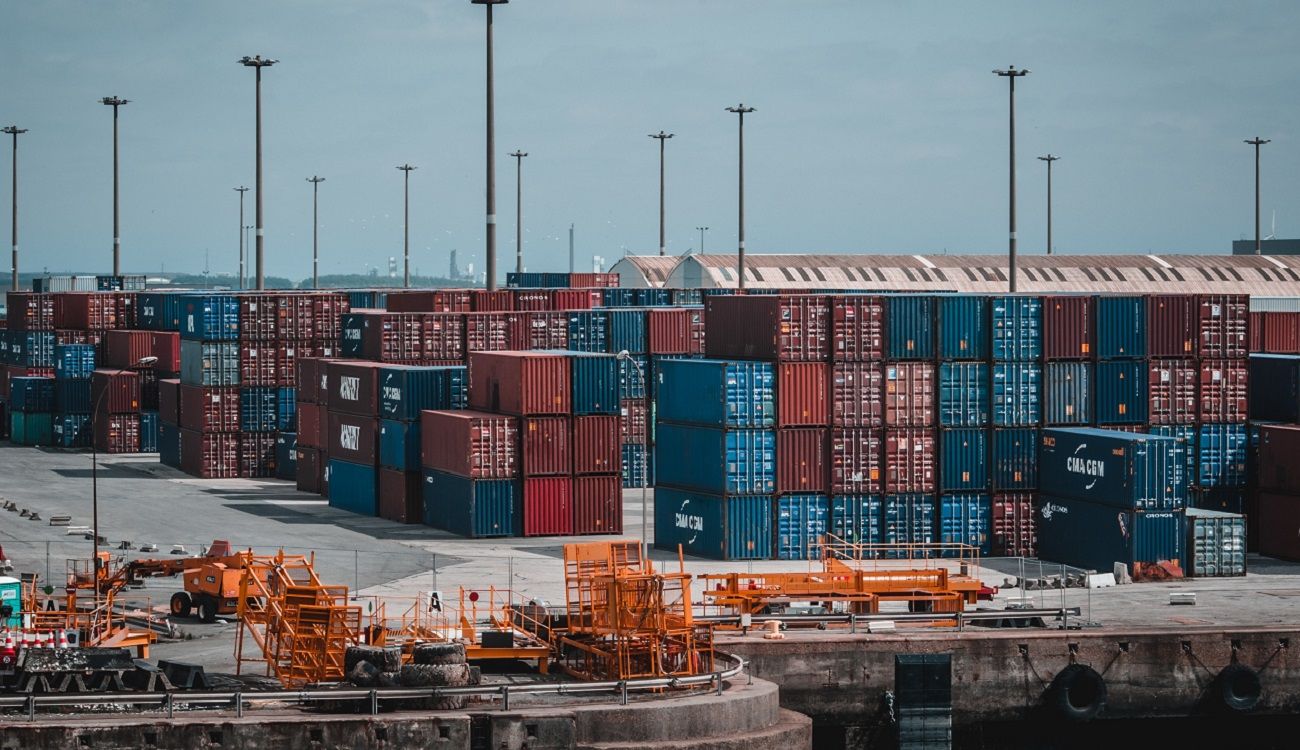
(144, 502)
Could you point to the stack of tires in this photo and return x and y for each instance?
(433, 665)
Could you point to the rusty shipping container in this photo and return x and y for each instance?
(909, 461)
(1171, 325)
(209, 409)
(801, 398)
(520, 383)
(1068, 327)
(1278, 462)
(675, 330)
(117, 390)
(1223, 392)
(257, 365)
(544, 442)
(210, 455)
(1012, 525)
(85, 311)
(429, 300)
(857, 394)
(126, 348)
(909, 394)
(857, 328)
(597, 445)
(487, 332)
(311, 425)
(1278, 523)
(166, 346)
(256, 455)
(30, 311)
(575, 299)
(169, 401)
(792, 328)
(1223, 324)
(538, 330)
(855, 465)
(634, 425)
(258, 316)
(117, 433)
(547, 506)
(471, 444)
(1275, 332)
(353, 387)
(401, 495)
(1171, 389)
(310, 471)
(597, 505)
(353, 438)
(501, 300)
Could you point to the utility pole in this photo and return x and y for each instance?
(490, 234)
(315, 227)
(741, 110)
(406, 223)
(1257, 142)
(702, 231)
(115, 103)
(14, 131)
(257, 62)
(1049, 159)
(519, 209)
(1011, 74)
(241, 190)
(662, 137)
(570, 248)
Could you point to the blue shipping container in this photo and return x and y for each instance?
(74, 361)
(595, 383)
(1221, 455)
(286, 455)
(72, 430)
(399, 445)
(800, 525)
(31, 348)
(353, 487)
(963, 326)
(1014, 459)
(470, 507)
(1121, 392)
(1274, 384)
(31, 428)
(963, 460)
(1016, 394)
(72, 396)
(730, 462)
(632, 375)
(654, 297)
(406, 391)
(1067, 389)
(169, 445)
(209, 363)
(1017, 328)
(626, 331)
(1121, 327)
(910, 324)
(148, 432)
(158, 311)
(908, 520)
(712, 526)
(1095, 537)
(1185, 433)
(352, 325)
(31, 394)
(964, 519)
(715, 392)
(856, 518)
(286, 409)
(1120, 469)
(587, 331)
(210, 317)
(963, 394)
(618, 297)
(257, 410)
(636, 472)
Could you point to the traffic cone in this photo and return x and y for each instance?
(63, 639)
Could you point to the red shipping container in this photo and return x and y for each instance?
(589, 280)
(547, 506)
(85, 311)
(311, 381)
(169, 401)
(117, 433)
(256, 455)
(1171, 389)
(675, 330)
(801, 398)
(857, 328)
(1223, 393)
(1223, 323)
(401, 496)
(856, 461)
(73, 337)
(1279, 526)
(309, 474)
(258, 316)
(257, 363)
(1280, 334)
(470, 444)
(442, 336)
(125, 302)
(575, 299)
(597, 505)
(635, 421)
(1257, 323)
(353, 438)
(909, 394)
(521, 383)
(801, 460)
(545, 444)
(353, 387)
(166, 346)
(1171, 325)
(793, 328)
(539, 330)
(1279, 458)
(207, 409)
(286, 360)
(487, 332)
(1012, 526)
(1067, 327)
(597, 445)
(532, 300)
(210, 455)
(857, 394)
(429, 300)
(481, 300)
(311, 425)
(118, 390)
(909, 461)
(30, 311)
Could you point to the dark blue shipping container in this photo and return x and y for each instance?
(1120, 469)
(31, 394)
(149, 432)
(158, 311)
(286, 408)
(909, 320)
(730, 462)
(654, 297)
(1121, 327)
(353, 487)
(908, 520)
(1121, 392)
(1185, 433)
(406, 391)
(799, 522)
(632, 375)
(1221, 455)
(1067, 393)
(856, 519)
(1014, 459)
(618, 297)
(1016, 398)
(587, 331)
(1095, 537)
(712, 526)
(367, 299)
(31, 428)
(685, 296)
(964, 519)
(352, 326)
(636, 472)
(286, 455)
(715, 392)
(524, 279)
(626, 331)
(470, 507)
(595, 383)
(31, 348)
(963, 326)
(169, 445)
(1274, 384)
(399, 445)
(74, 361)
(257, 409)
(210, 317)
(963, 394)
(1016, 328)
(72, 430)
(963, 460)
(210, 363)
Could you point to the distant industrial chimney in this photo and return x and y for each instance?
(453, 272)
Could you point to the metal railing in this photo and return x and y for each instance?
(960, 618)
(240, 700)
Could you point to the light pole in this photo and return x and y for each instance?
(741, 110)
(1049, 159)
(702, 231)
(115, 103)
(241, 190)
(1011, 74)
(570, 248)
(247, 228)
(315, 227)
(490, 233)
(1257, 142)
(662, 137)
(519, 209)
(406, 223)
(15, 131)
(257, 62)
(645, 459)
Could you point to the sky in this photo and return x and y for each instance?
(879, 127)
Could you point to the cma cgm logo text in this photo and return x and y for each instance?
(689, 521)
(1089, 467)
(352, 334)
(1051, 509)
(350, 388)
(350, 437)
(392, 393)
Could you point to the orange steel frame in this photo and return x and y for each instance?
(97, 620)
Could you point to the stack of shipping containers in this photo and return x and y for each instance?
(349, 427)
(1276, 495)
(1222, 324)
(671, 333)
(1016, 378)
(27, 349)
(404, 392)
(856, 397)
(73, 366)
(962, 345)
(207, 400)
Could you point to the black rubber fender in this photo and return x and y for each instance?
(1078, 693)
(1238, 688)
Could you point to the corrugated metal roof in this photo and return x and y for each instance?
(644, 270)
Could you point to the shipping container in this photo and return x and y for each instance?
(257, 409)
(1256, 330)
(574, 299)
(401, 496)
(71, 430)
(1216, 544)
(148, 432)
(210, 409)
(82, 311)
(855, 519)
(545, 445)
(857, 394)
(793, 328)
(910, 326)
(30, 311)
(1223, 322)
(713, 526)
(353, 487)
(626, 331)
(166, 346)
(31, 394)
(169, 445)
(633, 424)
(286, 454)
(470, 443)
(715, 392)
(312, 423)
(126, 348)
(311, 470)
(1068, 327)
(632, 376)
(470, 507)
(399, 445)
(1171, 325)
(1171, 391)
(964, 460)
(963, 331)
(545, 506)
(209, 317)
(963, 394)
(857, 328)
(595, 382)
(353, 387)
(353, 438)
(1275, 332)
(1016, 399)
(1221, 455)
(1117, 469)
(597, 505)
(856, 465)
(169, 401)
(256, 455)
(1095, 537)
(596, 444)
(1121, 327)
(1278, 525)
(210, 455)
(1068, 391)
(675, 331)
(32, 428)
(74, 361)
(800, 523)
(908, 520)
(1013, 458)
(964, 519)
(117, 391)
(1278, 447)
(637, 468)
(257, 365)
(521, 383)
(1273, 384)
(429, 300)
(209, 363)
(801, 398)
(1012, 527)
(909, 461)
(739, 462)
(801, 465)
(1121, 392)
(1186, 434)
(31, 348)
(1016, 328)
(909, 394)
(405, 391)
(1224, 395)
(588, 331)
(539, 330)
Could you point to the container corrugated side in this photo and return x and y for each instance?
(741, 462)
(1121, 392)
(1278, 526)
(800, 525)
(909, 394)
(597, 505)
(353, 487)
(1118, 469)
(545, 506)
(963, 462)
(1012, 527)
(908, 519)
(596, 383)
(801, 464)
(596, 444)
(469, 507)
(1013, 458)
(399, 445)
(801, 398)
(857, 394)
(1171, 325)
(725, 393)
(544, 446)
(1171, 391)
(1221, 455)
(469, 443)
(1095, 537)
(1017, 399)
(1067, 393)
(521, 383)
(405, 391)
(910, 324)
(963, 394)
(963, 331)
(857, 328)
(713, 526)
(855, 518)
(964, 519)
(1016, 328)
(626, 331)
(1216, 544)
(1068, 327)
(1277, 447)
(1121, 327)
(792, 328)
